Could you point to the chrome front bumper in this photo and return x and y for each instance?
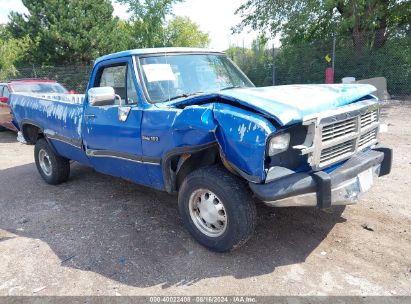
(343, 186)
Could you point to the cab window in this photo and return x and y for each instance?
(120, 78)
(115, 77)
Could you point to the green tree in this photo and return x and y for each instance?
(11, 52)
(147, 20)
(312, 19)
(256, 62)
(66, 31)
(182, 32)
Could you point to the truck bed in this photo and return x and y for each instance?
(59, 114)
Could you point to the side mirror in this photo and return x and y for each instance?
(103, 96)
(4, 99)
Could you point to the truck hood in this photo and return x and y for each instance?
(288, 104)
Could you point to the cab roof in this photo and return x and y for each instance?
(148, 51)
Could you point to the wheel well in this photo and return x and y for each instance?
(31, 133)
(183, 164)
(192, 162)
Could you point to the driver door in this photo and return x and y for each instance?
(112, 133)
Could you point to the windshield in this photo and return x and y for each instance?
(39, 87)
(173, 76)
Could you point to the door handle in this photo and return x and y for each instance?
(89, 116)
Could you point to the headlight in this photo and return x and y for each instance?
(278, 144)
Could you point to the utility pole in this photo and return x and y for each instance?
(273, 64)
(243, 54)
(333, 65)
(34, 71)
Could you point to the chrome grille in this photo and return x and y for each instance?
(369, 118)
(338, 134)
(368, 138)
(340, 150)
(339, 129)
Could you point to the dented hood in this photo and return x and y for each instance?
(289, 104)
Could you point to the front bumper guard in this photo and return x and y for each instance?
(343, 186)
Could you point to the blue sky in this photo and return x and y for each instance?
(216, 17)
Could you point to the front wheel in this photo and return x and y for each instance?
(53, 168)
(217, 209)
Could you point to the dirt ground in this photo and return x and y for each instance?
(99, 235)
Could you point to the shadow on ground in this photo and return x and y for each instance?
(7, 137)
(134, 235)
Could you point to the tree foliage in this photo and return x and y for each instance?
(256, 62)
(66, 31)
(313, 19)
(182, 32)
(11, 51)
(146, 25)
(75, 32)
(373, 39)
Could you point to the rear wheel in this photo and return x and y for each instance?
(53, 168)
(217, 209)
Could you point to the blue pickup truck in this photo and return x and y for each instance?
(188, 121)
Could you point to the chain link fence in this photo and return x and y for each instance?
(361, 56)
(71, 77)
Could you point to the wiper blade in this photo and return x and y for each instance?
(232, 87)
(185, 95)
(178, 96)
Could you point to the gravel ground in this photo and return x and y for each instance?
(99, 235)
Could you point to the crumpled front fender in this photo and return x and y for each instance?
(242, 136)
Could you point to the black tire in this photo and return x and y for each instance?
(58, 167)
(239, 209)
(2, 129)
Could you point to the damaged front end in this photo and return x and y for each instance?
(318, 159)
(344, 159)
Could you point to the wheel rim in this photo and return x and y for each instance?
(45, 163)
(208, 213)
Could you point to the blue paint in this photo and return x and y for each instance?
(242, 137)
(70, 152)
(61, 117)
(239, 120)
(289, 104)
